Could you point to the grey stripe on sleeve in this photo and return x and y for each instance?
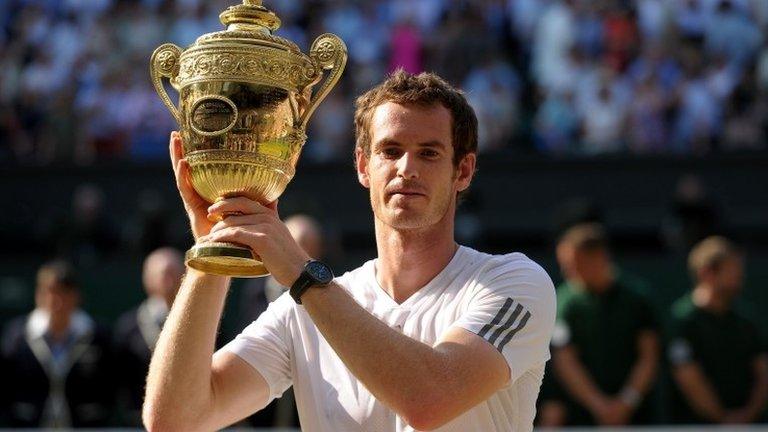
(506, 325)
(514, 331)
(503, 311)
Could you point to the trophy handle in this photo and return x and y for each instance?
(330, 53)
(165, 63)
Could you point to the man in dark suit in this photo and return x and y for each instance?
(137, 330)
(58, 366)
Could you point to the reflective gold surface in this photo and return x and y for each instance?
(245, 97)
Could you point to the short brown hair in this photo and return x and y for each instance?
(711, 253)
(60, 273)
(585, 237)
(425, 89)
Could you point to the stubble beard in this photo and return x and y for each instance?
(411, 217)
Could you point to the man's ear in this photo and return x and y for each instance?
(361, 163)
(465, 171)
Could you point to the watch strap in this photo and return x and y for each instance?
(301, 285)
(308, 279)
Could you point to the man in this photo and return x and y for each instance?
(606, 341)
(430, 335)
(58, 369)
(719, 365)
(137, 330)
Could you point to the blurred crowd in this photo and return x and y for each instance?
(616, 359)
(63, 369)
(556, 77)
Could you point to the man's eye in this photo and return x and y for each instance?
(391, 151)
(429, 153)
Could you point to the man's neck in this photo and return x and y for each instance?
(601, 286)
(58, 330)
(707, 298)
(408, 260)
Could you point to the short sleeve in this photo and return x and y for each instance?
(680, 349)
(514, 310)
(561, 336)
(758, 345)
(266, 345)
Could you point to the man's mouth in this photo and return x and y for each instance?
(406, 192)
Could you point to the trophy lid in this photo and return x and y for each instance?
(249, 22)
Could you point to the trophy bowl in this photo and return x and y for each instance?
(245, 97)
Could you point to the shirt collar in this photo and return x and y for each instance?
(39, 323)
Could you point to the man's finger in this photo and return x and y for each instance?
(186, 188)
(247, 235)
(175, 149)
(246, 220)
(239, 204)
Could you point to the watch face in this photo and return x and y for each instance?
(319, 271)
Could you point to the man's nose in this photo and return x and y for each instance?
(407, 166)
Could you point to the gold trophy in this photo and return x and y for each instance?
(245, 97)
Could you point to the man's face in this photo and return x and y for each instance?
(410, 173)
(58, 301)
(591, 267)
(729, 276)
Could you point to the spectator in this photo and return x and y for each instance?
(621, 37)
(555, 36)
(493, 90)
(406, 48)
(137, 330)
(606, 341)
(732, 33)
(698, 113)
(330, 136)
(746, 117)
(58, 366)
(652, 18)
(691, 17)
(647, 126)
(602, 109)
(719, 363)
(556, 125)
(655, 60)
(524, 16)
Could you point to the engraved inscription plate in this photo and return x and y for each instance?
(213, 115)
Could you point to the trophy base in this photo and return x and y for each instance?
(225, 259)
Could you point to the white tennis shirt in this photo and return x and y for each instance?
(507, 299)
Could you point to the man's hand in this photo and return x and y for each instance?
(610, 411)
(259, 228)
(599, 406)
(739, 416)
(618, 413)
(194, 204)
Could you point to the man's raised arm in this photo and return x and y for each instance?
(188, 388)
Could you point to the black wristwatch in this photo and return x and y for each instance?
(315, 273)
